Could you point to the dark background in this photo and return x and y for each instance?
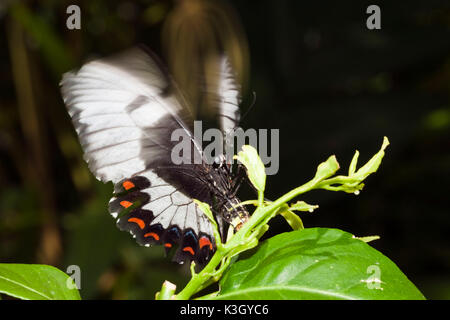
(327, 82)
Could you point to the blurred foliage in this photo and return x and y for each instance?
(313, 63)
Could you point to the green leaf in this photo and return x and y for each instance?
(255, 168)
(303, 206)
(368, 238)
(352, 168)
(372, 165)
(207, 211)
(292, 219)
(36, 282)
(316, 263)
(327, 169)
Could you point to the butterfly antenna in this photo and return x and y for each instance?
(249, 108)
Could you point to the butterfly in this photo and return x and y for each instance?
(124, 109)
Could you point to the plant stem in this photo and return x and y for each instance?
(167, 291)
(198, 279)
(260, 198)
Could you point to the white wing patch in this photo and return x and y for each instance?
(180, 199)
(166, 218)
(114, 104)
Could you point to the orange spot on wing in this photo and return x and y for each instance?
(140, 222)
(152, 234)
(189, 249)
(126, 203)
(168, 245)
(205, 242)
(128, 185)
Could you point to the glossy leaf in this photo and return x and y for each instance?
(316, 263)
(36, 282)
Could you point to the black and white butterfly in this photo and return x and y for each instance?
(124, 109)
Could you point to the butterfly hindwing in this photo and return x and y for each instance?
(155, 212)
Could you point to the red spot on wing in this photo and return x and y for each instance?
(204, 241)
(168, 245)
(128, 185)
(126, 203)
(189, 249)
(139, 222)
(153, 235)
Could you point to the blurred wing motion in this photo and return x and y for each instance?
(223, 93)
(124, 109)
